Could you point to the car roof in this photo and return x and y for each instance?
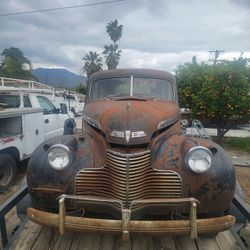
(134, 72)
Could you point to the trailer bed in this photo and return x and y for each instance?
(33, 236)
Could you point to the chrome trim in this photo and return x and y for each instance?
(119, 134)
(138, 134)
(91, 121)
(195, 149)
(129, 177)
(122, 134)
(68, 151)
(167, 122)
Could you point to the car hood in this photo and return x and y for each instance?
(130, 121)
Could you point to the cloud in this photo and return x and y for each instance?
(156, 34)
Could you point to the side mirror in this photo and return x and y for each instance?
(63, 108)
(56, 111)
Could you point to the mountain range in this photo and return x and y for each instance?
(58, 77)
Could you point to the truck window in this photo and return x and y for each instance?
(13, 101)
(111, 86)
(46, 104)
(132, 86)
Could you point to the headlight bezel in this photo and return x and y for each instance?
(194, 150)
(67, 150)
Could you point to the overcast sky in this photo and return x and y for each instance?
(159, 34)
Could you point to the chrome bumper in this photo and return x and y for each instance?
(193, 226)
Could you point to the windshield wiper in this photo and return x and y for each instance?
(113, 95)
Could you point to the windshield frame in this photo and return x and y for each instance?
(132, 87)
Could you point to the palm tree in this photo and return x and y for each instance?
(114, 30)
(93, 63)
(112, 55)
(111, 52)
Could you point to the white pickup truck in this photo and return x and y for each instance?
(23, 110)
(21, 131)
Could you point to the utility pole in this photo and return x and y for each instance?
(216, 55)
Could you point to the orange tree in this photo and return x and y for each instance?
(220, 93)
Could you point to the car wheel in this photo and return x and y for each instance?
(7, 171)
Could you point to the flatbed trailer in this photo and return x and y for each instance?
(29, 235)
(34, 236)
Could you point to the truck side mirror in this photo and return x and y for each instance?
(63, 108)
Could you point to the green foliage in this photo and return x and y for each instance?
(219, 92)
(112, 55)
(111, 52)
(114, 30)
(238, 143)
(93, 63)
(81, 89)
(16, 65)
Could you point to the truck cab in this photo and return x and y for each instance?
(16, 93)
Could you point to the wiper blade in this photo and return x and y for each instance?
(113, 95)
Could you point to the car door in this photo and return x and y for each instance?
(52, 121)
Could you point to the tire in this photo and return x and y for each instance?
(70, 128)
(8, 171)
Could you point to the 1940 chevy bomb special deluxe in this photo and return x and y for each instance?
(131, 170)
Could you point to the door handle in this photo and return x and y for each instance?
(46, 120)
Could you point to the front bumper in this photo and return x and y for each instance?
(193, 226)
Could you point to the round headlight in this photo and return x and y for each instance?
(199, 159)
(59, 156)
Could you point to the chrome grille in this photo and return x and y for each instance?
(128, 177)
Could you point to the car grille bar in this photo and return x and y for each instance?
(128, 177)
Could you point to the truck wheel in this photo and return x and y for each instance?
(70, 128)
(7, 171)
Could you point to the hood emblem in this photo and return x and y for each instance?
(127, 134)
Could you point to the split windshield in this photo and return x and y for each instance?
(132, 86)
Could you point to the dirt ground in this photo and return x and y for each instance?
(241, 161)
(243, 176)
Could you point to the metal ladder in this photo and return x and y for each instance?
(196, 124)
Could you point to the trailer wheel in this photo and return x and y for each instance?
(8, 170)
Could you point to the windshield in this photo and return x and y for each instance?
(132, 86)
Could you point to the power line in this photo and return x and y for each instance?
(216, 55)
(60, 8)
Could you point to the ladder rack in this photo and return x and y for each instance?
(11, 84)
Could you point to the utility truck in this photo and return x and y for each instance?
(27, 118)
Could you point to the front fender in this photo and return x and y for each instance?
(45, 183)
(214, 188)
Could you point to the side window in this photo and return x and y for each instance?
(10, 101)
(46, 104)
(13, 101)
(26, 102)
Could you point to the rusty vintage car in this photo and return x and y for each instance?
(131, 170)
